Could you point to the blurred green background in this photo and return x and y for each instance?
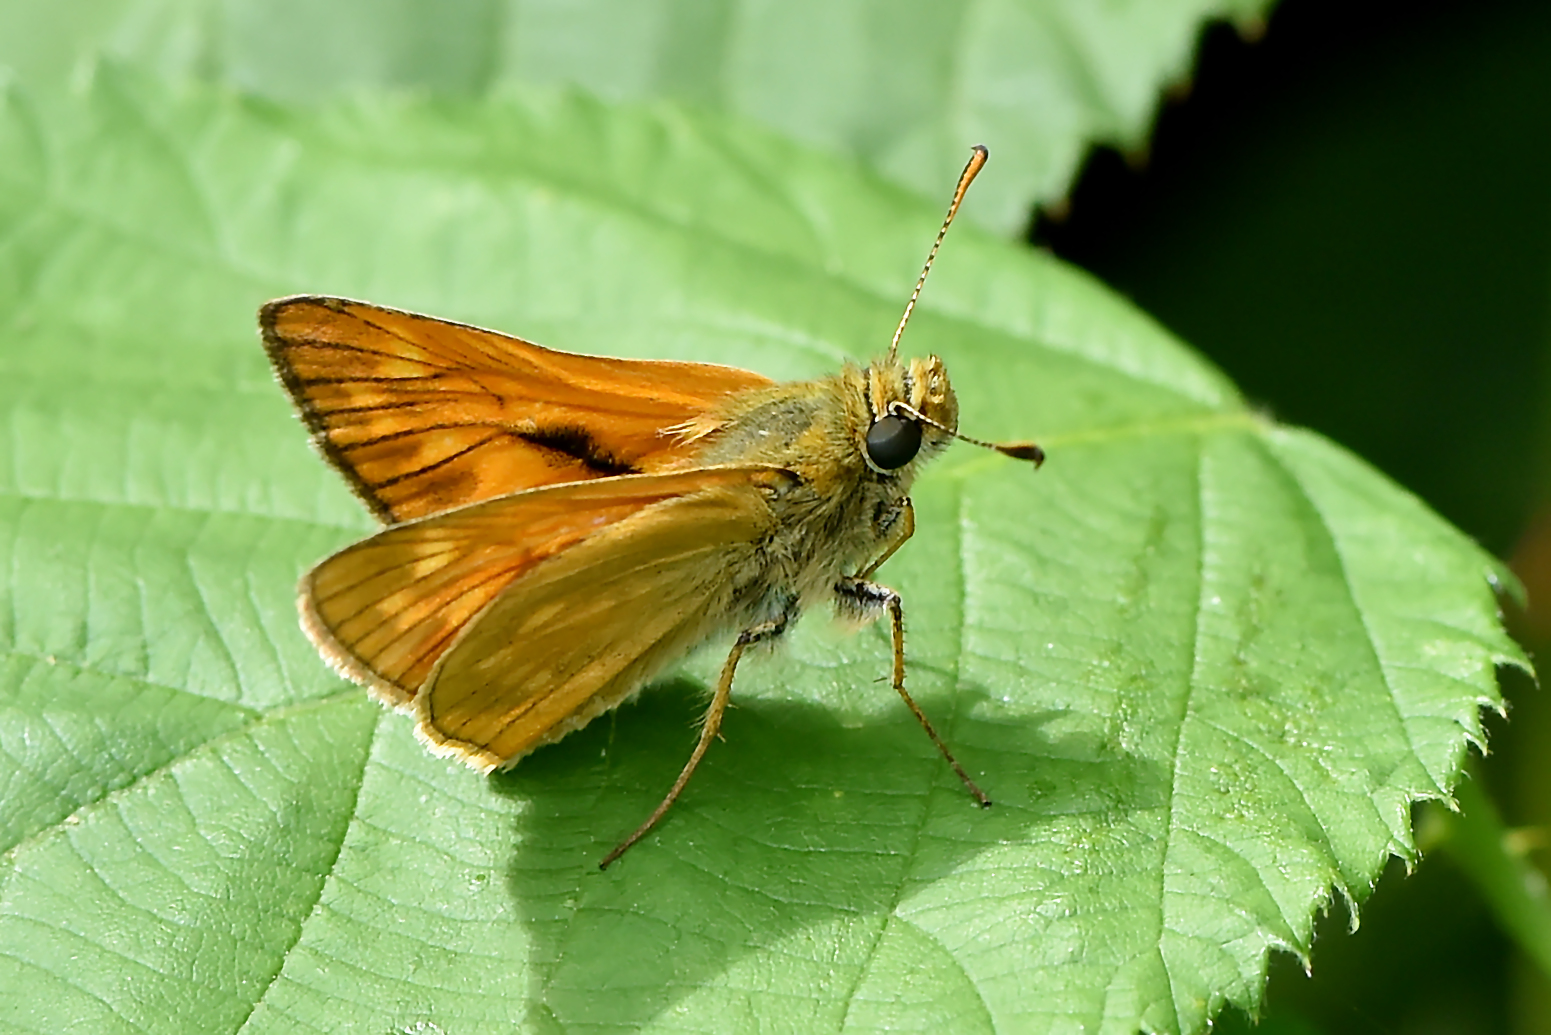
(1352, 216)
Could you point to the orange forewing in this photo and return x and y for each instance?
(424, 415)
(386, 610)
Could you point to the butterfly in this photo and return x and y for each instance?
(561, 528)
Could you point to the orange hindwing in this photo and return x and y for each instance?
(386, 609)
(509, 622)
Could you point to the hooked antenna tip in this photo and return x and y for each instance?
(971, 170)
(1021, 451)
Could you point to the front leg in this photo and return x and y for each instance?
(901, 529)
(868, 600)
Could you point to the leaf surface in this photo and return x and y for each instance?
(904, 88)
(1203, 663)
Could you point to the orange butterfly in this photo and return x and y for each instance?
(561, 528)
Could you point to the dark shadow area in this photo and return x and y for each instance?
(793, 823)
(1350, 217)
(1401, 972)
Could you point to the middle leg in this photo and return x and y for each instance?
(865, 600)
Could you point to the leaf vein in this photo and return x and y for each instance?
(327, 875)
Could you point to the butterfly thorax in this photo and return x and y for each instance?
(842, 509)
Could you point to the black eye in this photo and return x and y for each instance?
(893, 442)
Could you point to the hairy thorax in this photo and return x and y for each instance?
(838, 513)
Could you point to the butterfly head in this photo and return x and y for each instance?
(913, 413)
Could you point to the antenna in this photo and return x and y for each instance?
(976, 160)
(1017, 450)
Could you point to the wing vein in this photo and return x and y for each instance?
(443, 462)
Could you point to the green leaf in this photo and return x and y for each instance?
(906, 89)
(1203, 663)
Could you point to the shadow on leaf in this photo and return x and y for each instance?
(789, 851)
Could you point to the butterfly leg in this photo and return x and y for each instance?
(708, 730)
(862, 599)
(903, 527)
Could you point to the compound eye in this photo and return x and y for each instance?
(893, 442)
